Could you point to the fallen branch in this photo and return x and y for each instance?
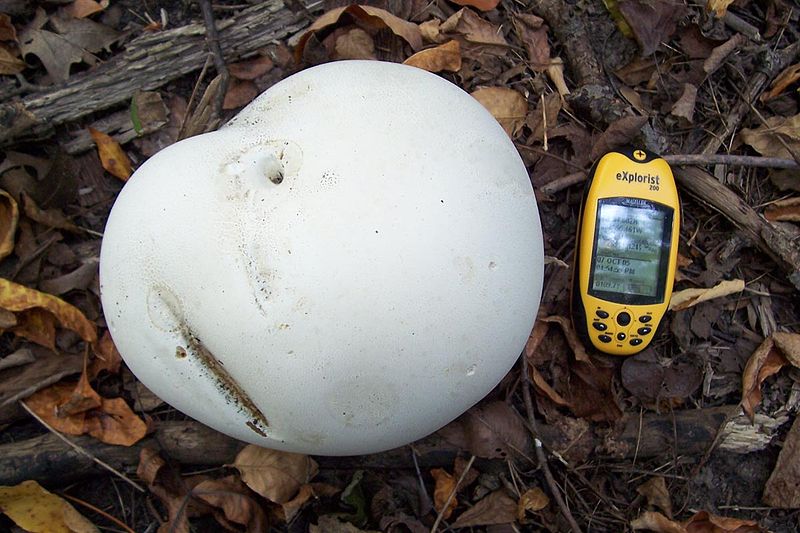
(46, 458)
(148, 62)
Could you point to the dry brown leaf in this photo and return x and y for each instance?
(113, 158)
(656, 493)
(532, 32)
(787, 210)
(293, 506)
(782, 489)
(10, 63)
(491, 431)
(15, 297)
(372, 17)
(637, 71)
(652, 21)
(683, 108)
(235, 500)
(52, 218)
(106, 357)
(690, 297)
(719, 7)
(619, 133)
(773, 354)
(274, 474)
(789, 75)
(355, 44)
(445, 486)
(657, 522)
(83, 8)
(240, 93)
(483, 5)
(33, 508)
(82, 399)
(9, 217)
(531, 500)
(705, 522)
(38, 326)
(496, 508)
(7, 30)
(473, 28)
(767, 139)
(508, 106)
(431, 31)
(445, 57)
(111, 422)
(572, 338)
(545, 114)
(250, 69)
(545, 388)
(721, 52)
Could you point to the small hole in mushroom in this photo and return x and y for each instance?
(180, 352)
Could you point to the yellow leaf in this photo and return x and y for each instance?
(690, 297)
(9, 216)
(445, 486)
(444, 57)
(719, 7)
(508, 106)
(273, 474)
(113, 158)
(15, 297)
(35, 509)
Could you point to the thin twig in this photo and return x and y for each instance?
(728, 159)
(440, 516)
(99, 511)
(81, 450)
(212, 39)
(551, 482)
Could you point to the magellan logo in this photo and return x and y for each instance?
(632, 177)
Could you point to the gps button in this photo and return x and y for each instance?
(604, 338)
(636, 342)
(599, 326)
(623, 319)
(601, 314)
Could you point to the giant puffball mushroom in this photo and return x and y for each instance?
(348, 265)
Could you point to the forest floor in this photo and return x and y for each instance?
(697, 433)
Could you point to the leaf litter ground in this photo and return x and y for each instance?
(694, 434)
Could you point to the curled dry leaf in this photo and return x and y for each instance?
(783, 486)
(274, 474)
(106, 357)
(508, 106)
(532, 32)
(789, 75)
(767, 139)
(235, 500)
(38, 326)
(112, 421)
(690, 297)
(371, 17)
(490, 431)
(683, 108)
(113, 158)
(531, 500)
(445, 486)
(786, 210)
(483, 5)
(774, 353)
(651, 21)
(657, 523)
(721, 52)
(355, 44)
(83, 8)
(572, 338)
(9, 217)
(701, 522)
(445, 57)
(16, 298)
(496, 508)
(473, 28)
(656, 493)
(33, 508)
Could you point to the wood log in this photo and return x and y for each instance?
(149, 61)
(49, 460)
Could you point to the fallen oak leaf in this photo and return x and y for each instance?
(703, 521)
(355, 44)
(496, 508)
(34, 508)
(15, 297)
(445, 57)
(774, 353)
(687, 298)
(473, 28)
(113, 158)
(532, 32)
(9, 217)
(508, 106)
(274, 474)
(235, 500)
(769, 139)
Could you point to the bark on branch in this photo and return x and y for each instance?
(148, 62)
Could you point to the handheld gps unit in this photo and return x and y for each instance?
(626, 251)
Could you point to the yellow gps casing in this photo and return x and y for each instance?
(626, 251)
